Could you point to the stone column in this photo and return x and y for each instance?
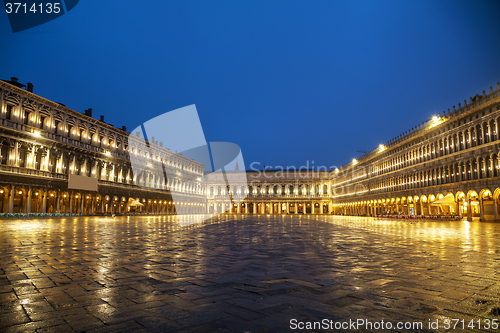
(495, 218)
(71, 203)
(15, 154)
(93, 170)
(28, 202)
(312, 207)
(479, 169)
(72, 166)
(82, 204)
(32, 156)
(469, 214)
(481, 210)
(12, 193)
(58, 201)
(44, 201)
(238, 208)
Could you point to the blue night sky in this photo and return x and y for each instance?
(288, 81)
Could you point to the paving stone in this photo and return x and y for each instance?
(146, 274)
(13, 318)
(244, 314)
(158, 324)
(238, 325)
(123, 327)
(34, 325)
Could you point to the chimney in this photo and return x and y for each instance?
(102, 118)
(30, 87)
(161, 144)
(124, 128)
(13, 79)
(88, 112)
(138, 134)
(153, 139)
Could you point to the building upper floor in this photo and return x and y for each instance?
(461, 132)
(281, 183)
(23, 110)
(45, 138)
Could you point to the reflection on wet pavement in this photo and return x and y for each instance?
(160, 274)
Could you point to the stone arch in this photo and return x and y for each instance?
(486, 205)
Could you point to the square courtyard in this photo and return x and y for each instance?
(257, 273)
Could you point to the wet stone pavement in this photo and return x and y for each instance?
(251, 274)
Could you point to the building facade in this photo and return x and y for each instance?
(43, 142)
(271, 192)
(446, 166)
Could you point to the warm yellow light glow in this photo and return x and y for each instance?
(381, 147)
(107, 153)
(36, 133)
(354, 161)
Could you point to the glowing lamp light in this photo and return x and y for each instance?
(354, 161)
(36, 133)
(107, 153)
